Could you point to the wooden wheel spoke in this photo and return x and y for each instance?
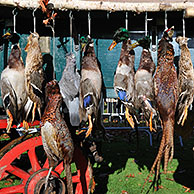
(34, 160)
(18, 172)
(13, 189)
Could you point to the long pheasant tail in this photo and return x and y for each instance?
(68, 177)
(156, 162)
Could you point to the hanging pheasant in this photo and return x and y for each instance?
(56, 137)
(186, 81)
(166, 96)
(34, 74)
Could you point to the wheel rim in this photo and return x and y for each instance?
(25, 148)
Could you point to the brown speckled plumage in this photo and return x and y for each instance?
(166, 95)
(186, 81)
(34, 74)
(56, 137)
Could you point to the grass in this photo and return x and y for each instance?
(125, 169)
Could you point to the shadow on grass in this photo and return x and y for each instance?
(117, 152)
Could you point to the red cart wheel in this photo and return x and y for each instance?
(25, 158)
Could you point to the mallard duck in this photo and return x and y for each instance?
(144, 85)
(186, 81)
(56, 137)
(34, 74)
(166, 96)
(13, 84)
(90, 85)
(125, 72)
(69, 87)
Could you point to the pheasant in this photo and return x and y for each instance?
(186, 81)
(56, 137)
(34, 74)
(166, 96)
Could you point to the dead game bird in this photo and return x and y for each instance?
(144, 85)
(69, 87)
(186, 81)
(90, 85)
(13, 84)
(56, 137)
(125, 72)
(166, 96)
(34, 74)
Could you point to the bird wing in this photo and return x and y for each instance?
(9, 96)
(36, 81)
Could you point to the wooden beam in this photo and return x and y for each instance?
(143, 6)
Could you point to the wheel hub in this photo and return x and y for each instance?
(36, 183)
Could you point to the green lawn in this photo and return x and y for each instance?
(124, 169)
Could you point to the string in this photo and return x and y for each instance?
(89, 24)
(126, 20)
(14, 12)
(34, 19)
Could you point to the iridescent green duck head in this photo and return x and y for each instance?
(86, 41)
(143, 42)
(120, 35)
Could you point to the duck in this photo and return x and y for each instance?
(124, 76)
(56, 136)
(166, 96)
(90, 86)
(185, 80)
(69, 87)
(144, 84)
(34, 73)
(13, 89)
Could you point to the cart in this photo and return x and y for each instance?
(25, 160)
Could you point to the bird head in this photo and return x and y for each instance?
(32, 40)
(12, 37)
(181, 40)
(120, 35)
(168, 33)
(86, 41)
(144, 42)
(51, 89)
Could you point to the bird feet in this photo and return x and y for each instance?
(9, 121)
(185, 115)
(129, 118)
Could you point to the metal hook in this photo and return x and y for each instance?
(14, 12)
(184, 23)
(71, 30)
(166, 24)
(34, 19)
(89, 23)
(126, 20)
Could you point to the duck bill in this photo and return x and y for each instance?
(83, 47)
(6, 35)
(134, 45)
(112, 46)
(26, 48)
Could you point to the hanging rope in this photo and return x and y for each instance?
(126, 20)
(14, 12)
(34, 19)
(71, 31)
(89, 24)
(184, 23)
